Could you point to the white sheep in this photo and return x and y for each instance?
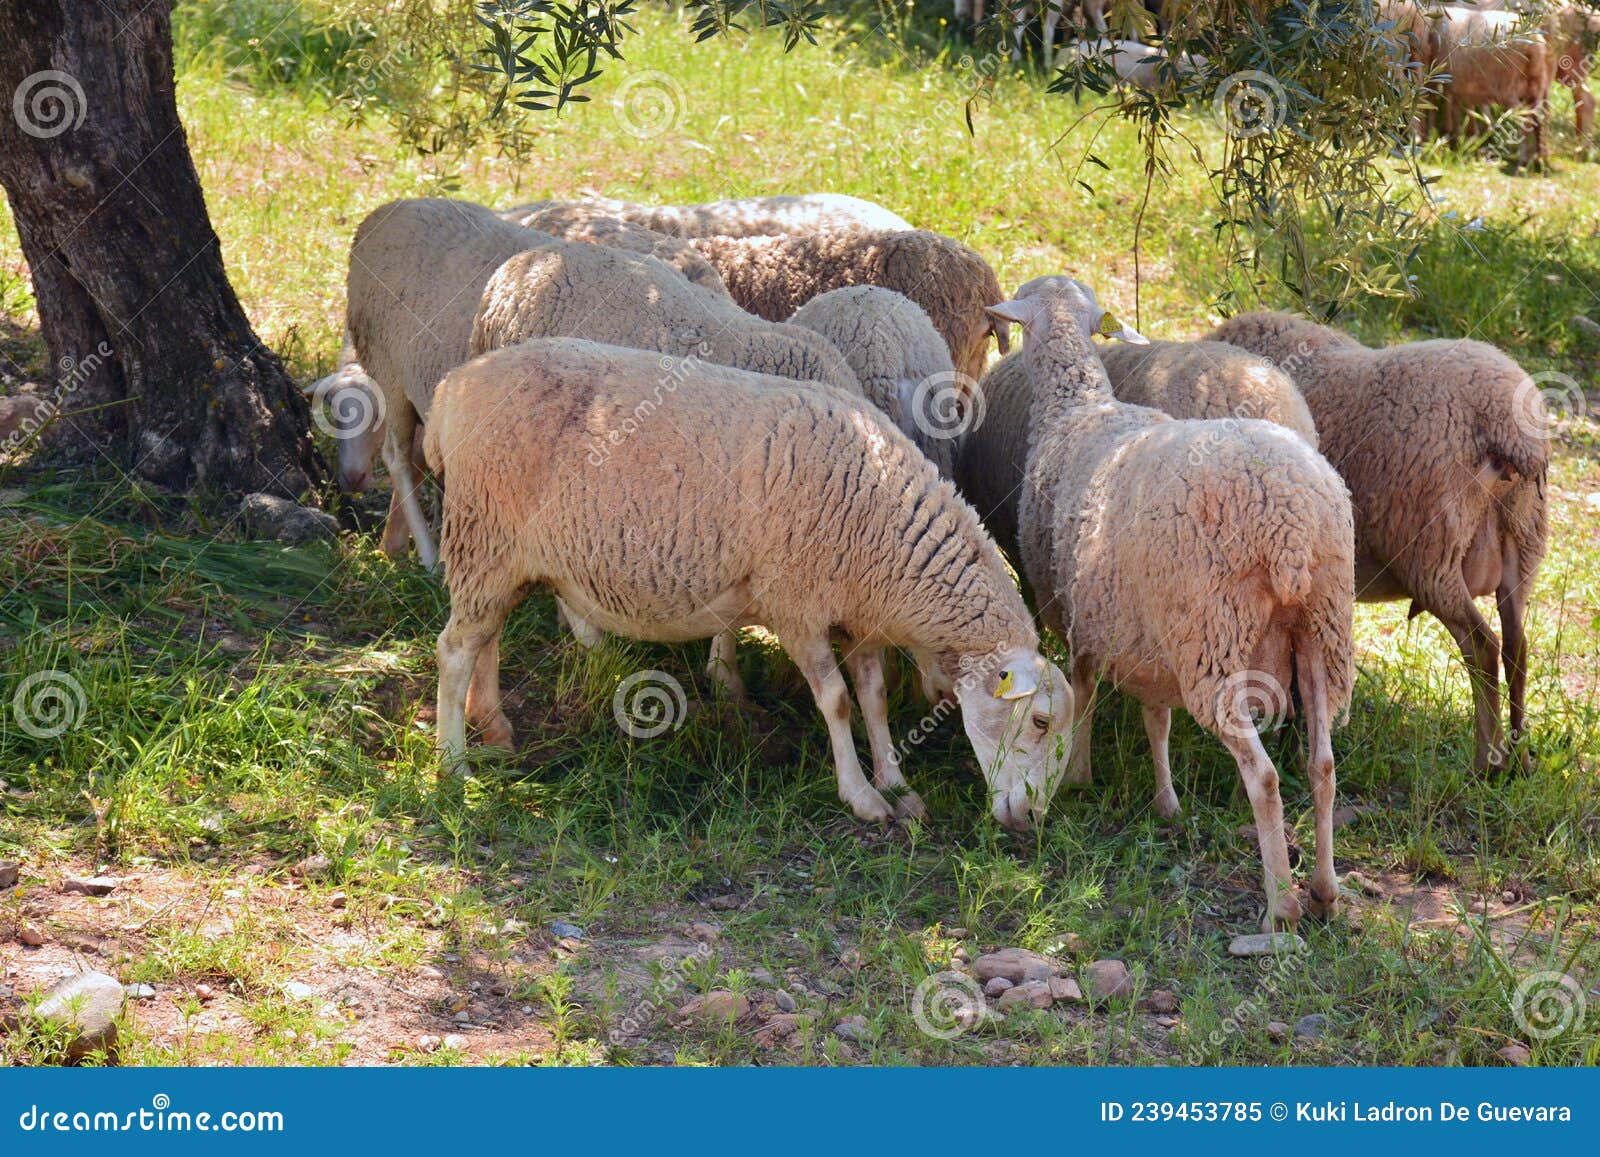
(746, 216)
(774, 276)
(738, 500)
(420, 270)
(902, 363)
(1135, 63)
(1184, 379)
(1445, 446)
(1202, 564)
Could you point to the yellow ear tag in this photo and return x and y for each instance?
(1003, 688)
(1109, 325)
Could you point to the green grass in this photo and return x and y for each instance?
(247, 707)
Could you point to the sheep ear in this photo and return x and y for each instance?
(1028, 312)
(1002, 336)
(1111, 327)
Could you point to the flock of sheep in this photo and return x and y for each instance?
(775, 412)
(1483, 54)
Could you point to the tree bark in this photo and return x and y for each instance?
(158, 367)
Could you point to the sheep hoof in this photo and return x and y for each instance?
(1323, 909)
(1284, 916)
(1167, 806)
(497, 733)
(908, 805)
(871, 808)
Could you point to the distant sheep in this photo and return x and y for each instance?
(746, 216)
(774, 276)
(739, 500)
(581, 222)
(1445, 446)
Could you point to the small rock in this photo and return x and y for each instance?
(89, 885)
(30, 936)
(86, 1005)
(139, 991)
(1266, 944)
(428, 1043)
(561, 930)
(1073, 944)
(719, 1006)
(853, 1028)
(1161, 1000)
(959, 954)
(1029, 994)
(723, 903)
(763, 977)
(1311, 1027)
(704, 932)
(1107, 980)
(464, 1017)
(1166, 1021)
(781, 1026)
(996, 986)
(429, 972)
(268, 516)
(312, 867)
(1360, 883)
(298, 990)
(1065, 988)
(1038, 970)
(338, 900)
(454, 1041)
(9, 873)
(784, 1001)
(1011, 963)
(527, 1010)
(1343, 816)
(1515, 1054)
(1508, 896)
(204, 991)
(956, 933)
(1277, 1030)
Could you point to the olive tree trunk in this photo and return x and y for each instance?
(156, 365)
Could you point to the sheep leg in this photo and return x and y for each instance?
(483, 696)
(723, 665)
(866, 672)
(397, 458)
(1157, 723)
(1480, 651)
(1583, 110)
(1085, 680)
(1511, 602)
(460, 643)
(814, 657)
(586, 633)
(396, 530)
(1312, 674)
(1238, 734)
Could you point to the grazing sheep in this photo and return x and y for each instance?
(1444, 445)
(1183, 379)
(1492, 61)
(745, 216)
(1202, 564)
(420, 269)
(580, 222)
(898, 357)
(1138, 64)
(774, 276)
(744, 500)
(1573, 33)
